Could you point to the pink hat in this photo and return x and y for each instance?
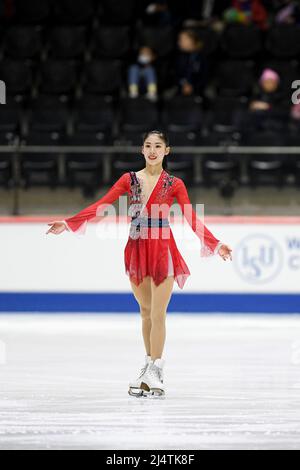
(269, 74)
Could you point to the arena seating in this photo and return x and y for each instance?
(65, 66)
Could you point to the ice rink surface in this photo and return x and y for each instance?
(232, 382)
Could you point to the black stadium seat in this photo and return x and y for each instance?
(284, 41)
(122, 162)
(111, 42)
(182, 117)
(6, 165)
(94, 114)
(32, 11)
(17, 75)
(220, 169)
(40, 168)
(223, 114)
(45, 126)
(103, 77)
(6, 171)
(235, 78)
(184, 139)
(9, 122)
(266, 168)
(138, 114)
(22, 42)
(10, 116)
(48, 114)
(58, 77)
(241, 42)
(183, 114)
(66, 42)
(84, 169)
(73, 12)
(117, 12)
(9, 130)
(210, 39)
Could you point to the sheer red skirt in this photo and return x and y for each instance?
(155, 257)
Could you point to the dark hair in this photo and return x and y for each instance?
(163, 136)
(193, 35)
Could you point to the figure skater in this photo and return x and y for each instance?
(152, 259)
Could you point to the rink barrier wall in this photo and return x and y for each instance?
(125, 303)
(30, 283)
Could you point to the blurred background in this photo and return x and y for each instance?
(84, 79)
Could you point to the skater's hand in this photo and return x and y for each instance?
(57, 227)
(225, 252)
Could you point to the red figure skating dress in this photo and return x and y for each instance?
(151, 249)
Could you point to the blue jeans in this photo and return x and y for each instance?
(145, 74)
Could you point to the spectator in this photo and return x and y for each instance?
(247, 12)
(268, 110)
(288, 13)
(155, 12)
(142, 75)
(268, 94)
(191, 64)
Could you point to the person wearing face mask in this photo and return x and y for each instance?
(142, 75)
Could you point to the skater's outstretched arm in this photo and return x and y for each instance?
(210, 244)
(78, 222)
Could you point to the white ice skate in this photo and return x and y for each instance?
(152, 381)
(135, 386)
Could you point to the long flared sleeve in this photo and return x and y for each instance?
(77, 223)
(210, 244)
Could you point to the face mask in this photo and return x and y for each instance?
(144, 59)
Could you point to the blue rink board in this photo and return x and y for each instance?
(125, 302)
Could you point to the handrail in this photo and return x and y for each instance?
(252, 150)
(18, 148)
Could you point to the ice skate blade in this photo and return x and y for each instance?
(135, 392)
(155, 394)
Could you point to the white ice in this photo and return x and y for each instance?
(232, 382)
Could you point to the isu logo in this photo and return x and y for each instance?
(2, 92)
(258, 259)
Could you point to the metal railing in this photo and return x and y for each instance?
(17, 149)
